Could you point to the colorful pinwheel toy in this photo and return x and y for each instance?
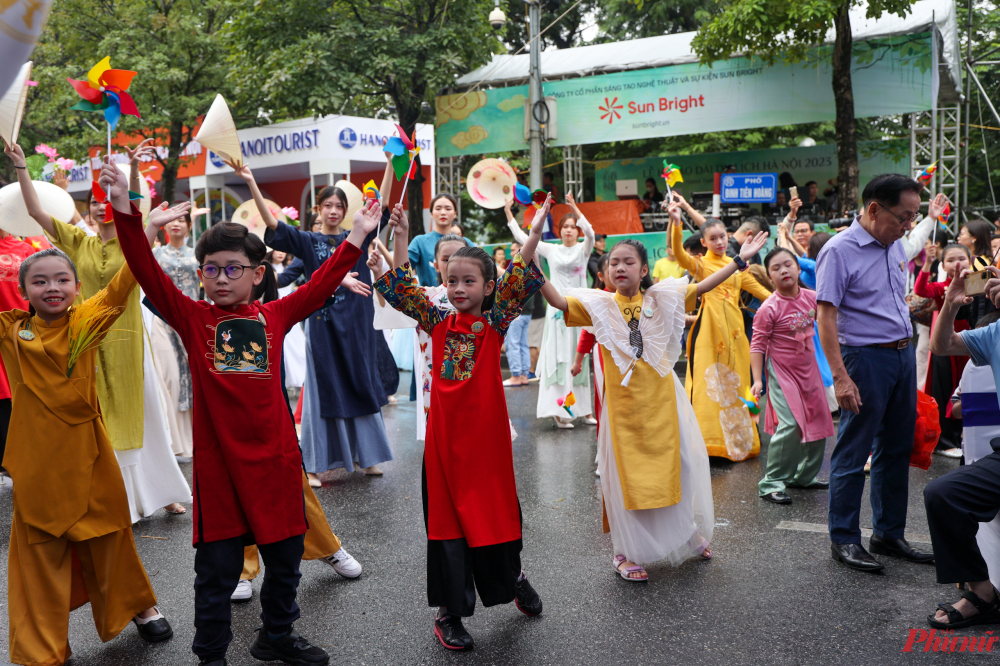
(403, 151)
(567, 402)
(370, 191)
(671, 174)
(104, 90)
(522, 194)
(926, 175)
(752, 405)
(538, 198)
(103, 198)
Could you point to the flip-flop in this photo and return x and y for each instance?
(624, 573)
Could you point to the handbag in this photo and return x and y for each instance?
(921, 309)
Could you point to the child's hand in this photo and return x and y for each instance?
(59, 179)
(15, 154)
(674, 210)
(398, 220)
(752, 245)
(352, 283)
(367, 218)
(160, 216)
(144, 149)
(507, 206)
(541, 216)
(578, 364)
(115, 184)
(375, 264)
(243, 171)
(757, 389)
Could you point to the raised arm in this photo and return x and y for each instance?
(914, 242)
(555, 299)
(697, 218)
(292, 272)
(243, 171)
(144, 149)
(160, 216)
(530, 244)
(588, 235)
(16, 156)
(171, 303)
(686, 261)
(400, 225)
(944, 340)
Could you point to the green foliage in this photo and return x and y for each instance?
(174, 46)
(635, 19)
(562, 35)
(984, 146)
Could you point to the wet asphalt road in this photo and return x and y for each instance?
(769, 596)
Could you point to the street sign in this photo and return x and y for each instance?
(749, 187)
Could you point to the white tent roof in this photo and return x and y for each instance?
(676, 49)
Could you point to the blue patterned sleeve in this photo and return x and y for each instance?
(518, 283)
(400, 289)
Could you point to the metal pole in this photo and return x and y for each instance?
(535, 94)
(986, 98)
(968, 110)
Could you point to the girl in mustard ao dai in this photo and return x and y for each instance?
(654, 469)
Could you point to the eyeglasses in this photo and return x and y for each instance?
(902, 220)
(233, 271)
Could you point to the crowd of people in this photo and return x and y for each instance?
(817, 334)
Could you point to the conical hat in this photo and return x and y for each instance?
(12, 105)
(248, 215)
(491, 183)
(146, 203)
(14, 218)
(355, 200)
(218, 133)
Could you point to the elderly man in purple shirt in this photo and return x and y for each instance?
(864, 325)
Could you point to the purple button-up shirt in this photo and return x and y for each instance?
(866, 281)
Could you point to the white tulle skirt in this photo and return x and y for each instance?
(674, 533)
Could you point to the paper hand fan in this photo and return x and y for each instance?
(491, 183)
(12, 105)
(146, 203)
(355, 200)
(218, 133)
(248, 215)
(14, 218)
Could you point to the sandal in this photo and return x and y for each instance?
(989, 612)
(627, 572)
(178, 511)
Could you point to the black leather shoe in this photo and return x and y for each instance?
(526, 599)
(451, 632)
(898, 548)
(815, 485)
(855, 556)
(290, 648)
(777, 498)
(214, 662)
(154, 631)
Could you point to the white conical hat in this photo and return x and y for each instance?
(355, 200)
(491, 183)
(248, 215)
(218, 133)
(14, 218)
(146, 203)
(12, 105)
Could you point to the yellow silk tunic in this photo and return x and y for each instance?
(119, 363)
(718, 371)
(643, 421)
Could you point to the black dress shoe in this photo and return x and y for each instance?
(451, 632)
(898, 548)
(777, 498)
(214, 662)
(290, 648)
(815, 485)
(154, 631)
(526, 599)
(855, 556)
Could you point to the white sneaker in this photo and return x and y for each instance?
(243, 591)
(344, 564)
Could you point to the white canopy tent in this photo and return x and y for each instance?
(675, 49)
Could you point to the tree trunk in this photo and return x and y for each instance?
(175, 145)
(843, 95)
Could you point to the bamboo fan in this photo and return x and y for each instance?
(355, 200)
(12, 105)
(218, 133)
(14, 218)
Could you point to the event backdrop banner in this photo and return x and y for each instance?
(890, 76)
(817, 163)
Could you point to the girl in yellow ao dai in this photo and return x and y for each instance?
(651, 457)
(718, 370)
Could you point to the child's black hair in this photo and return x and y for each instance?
(602, 267)
(447, 238)
(647, 280)
(773, 254)
(267, 290)
(22, 273)
(488, 269)
(232, 237)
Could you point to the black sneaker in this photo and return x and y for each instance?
(526, 599)
(291, 649)
(452, 634)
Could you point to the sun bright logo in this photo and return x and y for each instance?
(610, 110)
